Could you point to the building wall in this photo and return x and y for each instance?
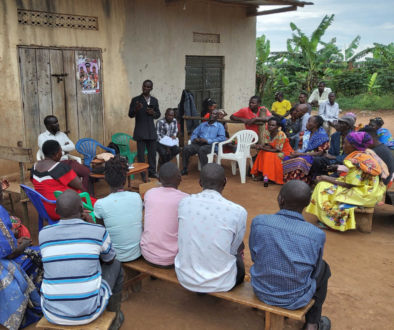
(140, 39)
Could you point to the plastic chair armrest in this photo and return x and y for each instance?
(78, 159)
(213, 148)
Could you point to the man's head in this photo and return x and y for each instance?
(52, 150)
(374, 135)
(279, 96)
(87, 65)
(295, 195)
(170, 115)
(147, 87)
(321, 86)
(169, 175)
(332, 97)
(81, 69)
(254, 102)
(94, 69)
(301, 110)
(344, 123)
(214, 116)
(116, 169)
(52, 124)
(69, 205)
(302, 98)
(376, 123)
(212, 177)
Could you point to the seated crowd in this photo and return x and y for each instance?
(76, 272)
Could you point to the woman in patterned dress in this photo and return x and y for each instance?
(269, 160)
(315, 142)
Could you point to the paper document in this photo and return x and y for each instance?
(169, 142)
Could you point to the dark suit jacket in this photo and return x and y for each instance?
(144, 125)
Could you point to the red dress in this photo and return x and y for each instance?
(56, 178)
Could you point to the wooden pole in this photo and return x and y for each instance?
(23, 196)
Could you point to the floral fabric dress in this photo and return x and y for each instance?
(270, 163)
(368, 191)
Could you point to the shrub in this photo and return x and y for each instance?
(366, 101)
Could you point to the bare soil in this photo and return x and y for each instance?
(360, 291)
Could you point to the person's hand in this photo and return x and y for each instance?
(138, 106)
(196, 140)
(294, 155)
(5, 184)
(87, 217)
(328, 156)
(203, 141)
(332, 168)
(150, 111)
(323, 178)
(67, 143)
(251, 121)
(24, 241)
(168, 149)
(173, 137)
(314, 103)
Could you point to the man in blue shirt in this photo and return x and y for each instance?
(287, 252)
(202, 139)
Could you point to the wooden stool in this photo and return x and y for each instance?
(364, 219)
(103, 322)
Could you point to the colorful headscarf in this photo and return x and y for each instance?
(368, 162)
(360, 140)
(351, 114)
(378, 120)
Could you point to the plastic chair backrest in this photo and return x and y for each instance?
(87, 206)
(40, 155)
(87, 147)
(244, 139)
(36, 199)
(122, 140)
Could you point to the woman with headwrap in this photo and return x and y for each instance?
(361, 186)
(383, 133)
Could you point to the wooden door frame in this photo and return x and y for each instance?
(59, 48)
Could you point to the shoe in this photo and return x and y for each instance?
(113, 305)
(154, 176)
(324, 324)
(201, 294)
(143, 176)
(184, 172)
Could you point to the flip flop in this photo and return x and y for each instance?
(257, 179)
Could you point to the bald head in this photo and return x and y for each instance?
(212, 176)
(295, 195)
(69, 205)
(301, 110)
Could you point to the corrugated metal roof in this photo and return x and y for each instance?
(268, 2)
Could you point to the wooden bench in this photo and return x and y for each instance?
(242, 294)
(103, 322)
(364, 217)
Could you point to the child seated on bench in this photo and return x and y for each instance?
(211, 230)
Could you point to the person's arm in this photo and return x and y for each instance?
(276, 115)
(75, 183)
(23, 244)
(159, 130)
(313, 96)
(334, 181)
(176, 129)
(157, 111)
(316, 270)
(108, 253)
(132, 109)
(195, 133)
(98, 213)
(299, 154)
(68, 145)
(239, 232)
(322, 109)
(286, 114)
(235, 118)
(251, 240)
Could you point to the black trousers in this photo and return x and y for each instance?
(202, 150)
(313, 316)
(151, 147)
(113, 275)
(164, 155)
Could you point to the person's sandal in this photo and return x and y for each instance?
(257, 179)
(324, 324)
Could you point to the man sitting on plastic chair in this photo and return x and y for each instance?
(53, 133)
(202, 139)
(167, 127)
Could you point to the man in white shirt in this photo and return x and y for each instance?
(211, 230)
(319, 95)
(53, 133)
(329, 111)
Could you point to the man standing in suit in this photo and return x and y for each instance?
(145, 108)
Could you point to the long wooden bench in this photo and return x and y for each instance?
(364, 217)
(242, 294)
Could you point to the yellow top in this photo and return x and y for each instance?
(281, 107)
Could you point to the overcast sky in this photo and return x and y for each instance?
(373, 20)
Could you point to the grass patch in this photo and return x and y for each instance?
(366, 102)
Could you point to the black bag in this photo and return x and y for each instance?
(115, 147)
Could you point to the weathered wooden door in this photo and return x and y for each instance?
(204, 78)
(50, 87)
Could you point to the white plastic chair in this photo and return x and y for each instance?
(40, 156)
(245, 139)
(177, 156)
(210, 156)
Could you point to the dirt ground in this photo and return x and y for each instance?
(360, 291)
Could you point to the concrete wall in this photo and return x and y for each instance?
(140, 39)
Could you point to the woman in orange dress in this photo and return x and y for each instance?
(269, 160)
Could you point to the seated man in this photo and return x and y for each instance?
(252, 114)
(287, 251)
(202, 138)
(301, 113)
(159, 241)
(335, 155)
(121, 211)
(382, 151)
(167, 127)
(53, 133)
(319, 95)
(211, 230)
(281, 108)
(76, 288)
(302, 100)
(329, 111)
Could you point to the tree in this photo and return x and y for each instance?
(263, 72)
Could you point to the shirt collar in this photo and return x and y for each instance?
(295, 215)
(49, 133)
(214, 124)
(211, 191)
(70, 221)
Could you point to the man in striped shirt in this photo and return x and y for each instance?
(75, 288)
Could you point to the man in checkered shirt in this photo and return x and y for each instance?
(167, 127)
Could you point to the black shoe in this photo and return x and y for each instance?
(143, 177)
(113, 305)
(324, 324)
(154, 176)
(201, 294)
(184, 172)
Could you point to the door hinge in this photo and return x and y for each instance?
(59, 75)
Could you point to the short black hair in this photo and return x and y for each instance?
(212, 176)
(68, 203)
(332, 93)
(279, 93)
(370, 131)
(148, 81)
(322, 82)
(303, 93)
(116, 170)
(48, 118)
(319, 120)
(274, 119)
(258, 98)
(50, 148)
(169, 171)
(296, 193)
(170, 109)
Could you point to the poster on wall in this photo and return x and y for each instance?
(88, 75)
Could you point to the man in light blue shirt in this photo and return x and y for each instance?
(302, 112)
(202, 139)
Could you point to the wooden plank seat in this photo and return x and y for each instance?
(103, 322)
(364, 217)
(242, 294)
